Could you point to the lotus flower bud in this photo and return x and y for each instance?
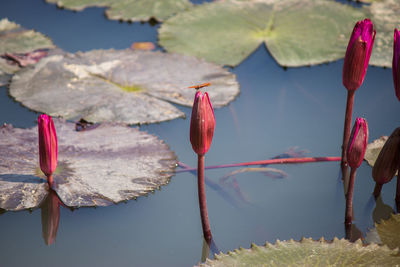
(357, 143)
(202, 123)
(396, 61)
(357, 54)
(47, 144)
(386, 164)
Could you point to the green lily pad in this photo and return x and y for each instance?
(308, 252)
(101, 166)
(373, 150)
(129, 10)
(15, 39)
(296, 32)
(389, 231)
(125, 86)
(385, 16)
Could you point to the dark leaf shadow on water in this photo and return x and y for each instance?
(21, 178)
(353, 233)
(381, 211)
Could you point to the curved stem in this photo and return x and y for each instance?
(202, 200)
(347, 129)
(349, 197)
(269, 161)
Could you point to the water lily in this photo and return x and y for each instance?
(202, 126)
(395, 63)
(355, 155)
(47, 146)
(354, 68)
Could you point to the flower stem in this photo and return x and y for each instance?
(398, 193)
(268, 161)
(202, 199)
(349, 197)
(50, 180)
(378, 189)
(347, 130)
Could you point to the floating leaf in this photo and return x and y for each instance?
(119, 85)
(389, 231)
(296, 32)
(129, 10)
(373, 150)
(107, 164)
(308, 252)
(385, 16)
(15, 39)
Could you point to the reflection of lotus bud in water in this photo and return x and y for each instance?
(50, 210)
(47, 145)
(358, 53)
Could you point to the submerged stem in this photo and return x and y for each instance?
(269, 161)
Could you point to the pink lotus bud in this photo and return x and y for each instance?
(396, 65)
(357, 143)
(386, 164)
(202, 123)
(358, 53)
(47, 144)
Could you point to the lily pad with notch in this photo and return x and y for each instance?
(129, 10)
(132, 87)
(296, 32)
(15, 40)
(308, 252)
(99, 166)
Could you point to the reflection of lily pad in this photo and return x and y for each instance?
(385, 16)
(389, 231)
(119, 85)
(308, 253)
(296, 32)
(15, 39)
(373, 150)
(97, 167)
(130, 10)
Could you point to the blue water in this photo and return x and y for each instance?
(276, 110)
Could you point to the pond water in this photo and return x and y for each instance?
(277, 110)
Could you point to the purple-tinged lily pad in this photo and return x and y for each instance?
(17, 41)
(125, 86)
(100, 166)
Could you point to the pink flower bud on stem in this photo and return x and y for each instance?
(47, 146)
(202, 126)
(355, 155)
(355, 67)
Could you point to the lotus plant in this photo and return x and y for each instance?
(387, 164)
(47, 146)
(396, 63)
(354, 68)
(202, 126)
(355, 155)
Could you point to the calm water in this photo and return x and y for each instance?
(276, 110)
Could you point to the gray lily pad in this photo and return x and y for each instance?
(119, 85)
(373, 150)
(308, 252)
(296, 32)
(129, 10)
(385, 16)
(96, 167)
(15, 39)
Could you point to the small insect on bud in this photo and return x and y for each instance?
(358, 143)
(387, 162)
